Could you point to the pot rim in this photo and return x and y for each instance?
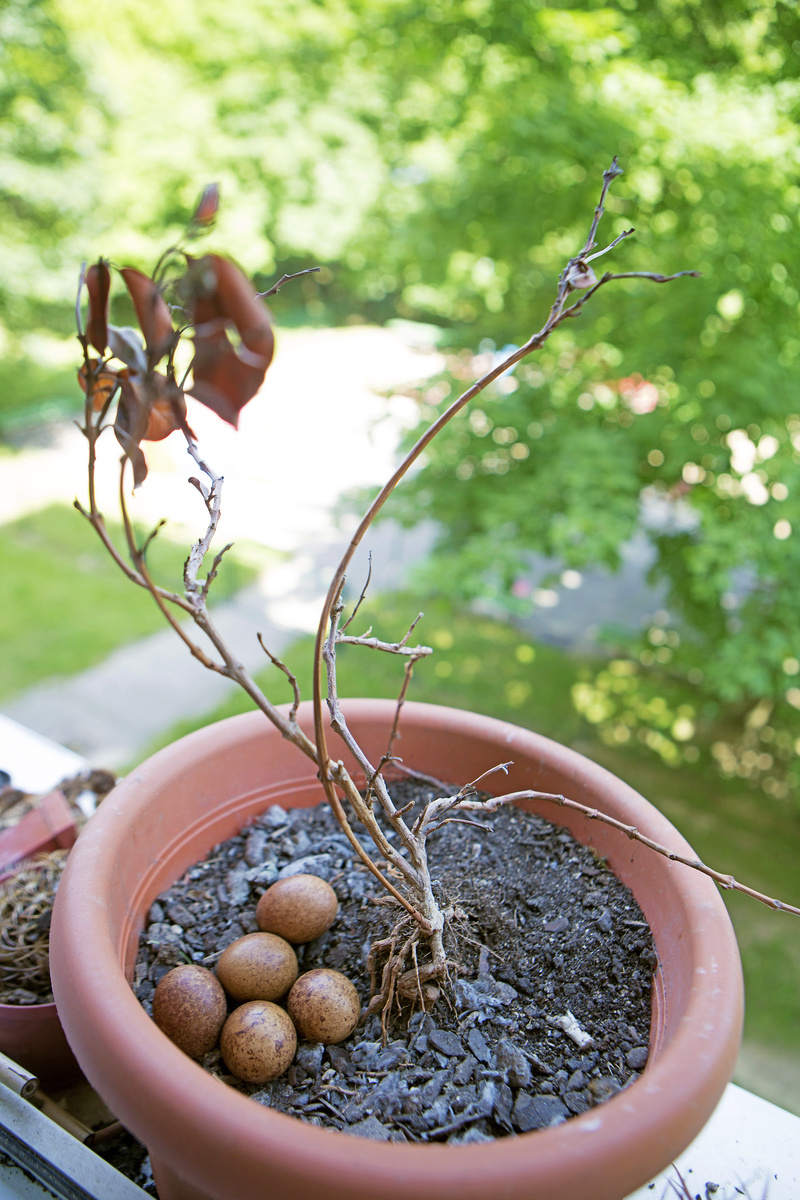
(668, 1104)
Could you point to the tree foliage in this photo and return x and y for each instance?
(441, 157)
(685, 401)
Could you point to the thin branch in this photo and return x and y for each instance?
(473, 786)
(364, 811)
(152, 535)
(276, 662)
(408, 672)
(325, 645)
(285, 279)
(593, 814)
(78, 320)
(97, 522)
(212, 499)
(626, 233)
(212, 574)
(651, 275)
(613, 172)
(127, 524)
(364, 589)
(575, 309)
(374, 643)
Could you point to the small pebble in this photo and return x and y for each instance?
(604, 922)
(446, 1043)
(538, 1112)
(478, 1045)
(637, 1057)
(512, 1063)
(255, 847)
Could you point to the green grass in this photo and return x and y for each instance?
(489, 667)
(31, 393)
(66, 605)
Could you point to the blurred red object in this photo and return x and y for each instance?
(49, 826)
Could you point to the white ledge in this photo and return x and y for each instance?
(749, 1150)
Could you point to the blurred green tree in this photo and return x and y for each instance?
(443, 157)
(687, 398)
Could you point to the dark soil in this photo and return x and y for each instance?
(546, 1014)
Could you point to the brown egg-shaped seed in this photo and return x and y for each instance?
(324, 1006)
(189, 1006)
(258, 966)
(298, 908)
(258, 1041)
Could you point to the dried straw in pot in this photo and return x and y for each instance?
(26, 902)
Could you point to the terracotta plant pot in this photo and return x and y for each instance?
(31, 1034)
(208, 1141)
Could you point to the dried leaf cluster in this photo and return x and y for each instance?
(232, 347)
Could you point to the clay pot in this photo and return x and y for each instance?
(209, 1142)
(32, 1036)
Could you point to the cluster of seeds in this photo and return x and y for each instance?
(258, 1039)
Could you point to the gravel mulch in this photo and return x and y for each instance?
(546, 1014)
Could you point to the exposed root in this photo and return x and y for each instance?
(403, 978)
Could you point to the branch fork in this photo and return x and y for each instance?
(401, 869)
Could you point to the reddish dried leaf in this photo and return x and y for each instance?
(237, 301)
(104, 383)
(98, 285)
(207, 205)
(167, 412)
(154, 316)
(150, 408)
(131, 424)
(226, 378)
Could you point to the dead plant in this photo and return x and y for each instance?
(209, 298)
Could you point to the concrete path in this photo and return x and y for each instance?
(319, 428)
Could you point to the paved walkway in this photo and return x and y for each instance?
(319, 428)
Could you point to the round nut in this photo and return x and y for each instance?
(189, 1006)
(258, 966)
(298, 908)
(324, 1006)
(258, 1041)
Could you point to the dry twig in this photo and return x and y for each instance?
(406, 861)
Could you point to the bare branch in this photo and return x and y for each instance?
(212, 497)
(651, 275)
(626, 233)
(212, 574)
(593, 814)
(612, 173)
(276, 287)
(152, 535)
(575, 309)
(364, 589)
(408, 672)
(78, 319)
(276, 662)
(374, 643)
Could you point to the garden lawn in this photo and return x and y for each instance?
(66, 605)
